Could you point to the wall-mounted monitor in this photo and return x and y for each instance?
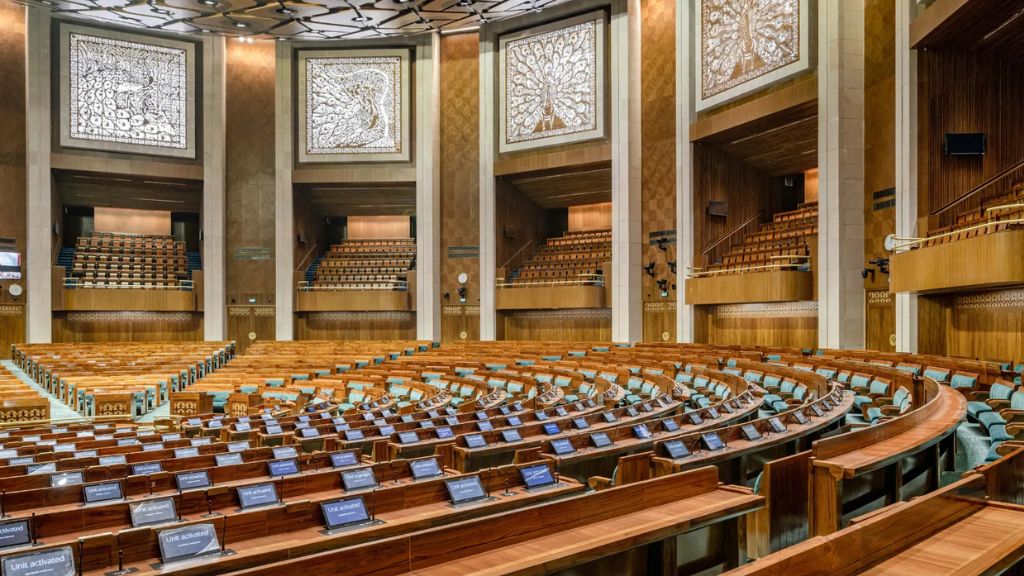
(10, 265)
(964, 144)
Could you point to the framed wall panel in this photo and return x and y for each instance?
(354, 105)
(123, 92)
(551, 83)
(743, 46)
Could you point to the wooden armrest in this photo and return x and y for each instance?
(599, 483)
(1012, 415)
(998, 404)
(977, 395)
(890, 410)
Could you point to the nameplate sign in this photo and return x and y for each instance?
(187, 542)
(283, 467)
(463, 490)
(102, 492)
(426, 468)
(257, 495)
(170, 437)
(55, 562)
(66, 479)
(113, 460)
(16, 533)
(204, 441)
(186, 452)
(21, 461)
(358, 479)
(146, 468)
(344, 512)
(537, 476)
(47, 468)
(344, 459)
(8, 453)
(192, 480)
(87, 454)
(283, 452)
(240, 446)
(151, 512)
(152, 447)
(228, 459)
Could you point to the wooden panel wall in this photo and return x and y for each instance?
(356, 326)
(379, 227)
(746, 190)
(590, 217)
(879, 163)
(129, 221)
(246, 321)
(793, 324)
(12, 327)
(250, 168)
(127, 326)
(658, 165)
(519, 221)
(964, 92)
(986, 325)
(460, 183)
(310, 231)
(577, 325)
(12, 162)
(460, 322)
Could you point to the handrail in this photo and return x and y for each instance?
(301, 267)
(913, 241)
(517, 252)
(979, 188)
(745, 269)
(732, 232)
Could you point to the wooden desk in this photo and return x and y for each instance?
(882, 448)
(559, 535)
(971, 527)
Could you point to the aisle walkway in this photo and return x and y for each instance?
(58, 410)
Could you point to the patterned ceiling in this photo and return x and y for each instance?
(294, 19)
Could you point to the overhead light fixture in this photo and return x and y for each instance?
(465, 3)
(361, 18)
(208, 2)
(241, 25)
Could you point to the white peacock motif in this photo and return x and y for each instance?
(551, 83)
(744, 39)
(354, 105)
(127, 92)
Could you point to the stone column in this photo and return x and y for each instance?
(906, 164)
(214, 192)
(488, 236)
(684, 167)
(39, 244)
(284, 224)
(428, 190)
(627, 289)
(841, 306)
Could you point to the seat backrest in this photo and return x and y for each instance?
(963, 380)
(1000, 391)
(859, 380)
(940, 375)
(787, 386)
(900, 394)
(772, 380)
(1017, 400)
(879, 387)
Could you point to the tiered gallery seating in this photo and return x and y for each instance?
(574, 258)
(366, 265)
(107, 260)
(997, 214)
(781, 244)
(118, 379)
(510, 457)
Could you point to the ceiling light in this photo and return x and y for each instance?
(208, 2)
(361, 18)
(241, 25)
(465, 3)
